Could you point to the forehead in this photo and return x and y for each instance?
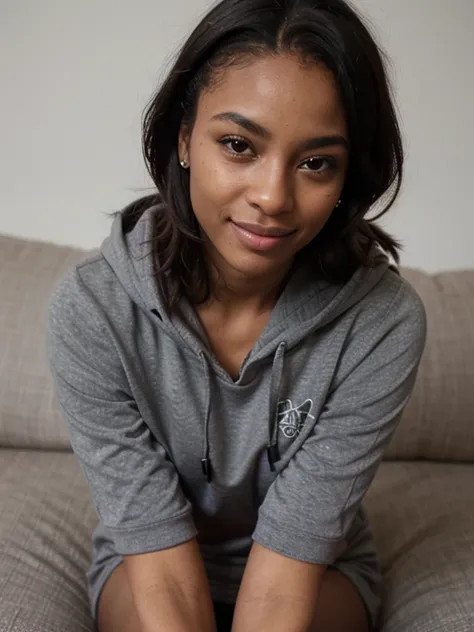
(278, 92)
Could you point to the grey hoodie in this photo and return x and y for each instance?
(173, 448)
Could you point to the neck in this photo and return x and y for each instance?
(234, 290)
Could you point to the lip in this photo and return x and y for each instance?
(264, 231)
(247, 235)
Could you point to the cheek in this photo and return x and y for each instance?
(213, 184)
(316, 215)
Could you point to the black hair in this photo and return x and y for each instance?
(327, 32)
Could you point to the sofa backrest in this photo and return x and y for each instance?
(29, 413)
(438, 422)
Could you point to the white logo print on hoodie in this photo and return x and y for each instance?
(291, 418)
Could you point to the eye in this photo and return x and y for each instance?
(318, 164)
(321, 164)
(237, 143)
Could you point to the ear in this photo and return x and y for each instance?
(183, 142)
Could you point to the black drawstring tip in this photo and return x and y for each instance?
(273, 455)
(207, 469)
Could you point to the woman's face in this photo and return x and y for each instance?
(265, 179)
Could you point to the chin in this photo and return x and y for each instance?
(256, 265)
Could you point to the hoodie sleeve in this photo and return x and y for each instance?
(309, 508)
(133, 483)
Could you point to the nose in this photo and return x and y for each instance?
(271, 190)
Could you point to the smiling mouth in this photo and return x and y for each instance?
(265, 231)
(260, 238)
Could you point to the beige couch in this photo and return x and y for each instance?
(421, 502)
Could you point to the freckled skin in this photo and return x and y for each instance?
(270, 183)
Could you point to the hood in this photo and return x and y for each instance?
(304, 306)
(128, 251)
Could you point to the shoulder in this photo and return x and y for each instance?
(384, 337)
(81, 294)
(394, 308)
(80, 337)
(403, 304)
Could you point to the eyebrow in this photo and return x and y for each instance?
(255, 128)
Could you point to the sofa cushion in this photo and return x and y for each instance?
(423, 523)
(438, 421)
(422, 516)
(29, 414)
(46, 523)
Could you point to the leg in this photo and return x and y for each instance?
(340, 607)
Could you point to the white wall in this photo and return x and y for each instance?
(76, 76)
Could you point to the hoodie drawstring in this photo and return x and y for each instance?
(206, 461)
(277, 374)
(275, 387)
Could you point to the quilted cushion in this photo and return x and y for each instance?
(422, 516)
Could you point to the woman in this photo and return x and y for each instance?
(234, 361)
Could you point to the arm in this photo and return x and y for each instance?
(170, 590)
(277, 594)
(133, 482)
(310, 507)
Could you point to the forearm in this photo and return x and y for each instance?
(173, 609)
(277, 594)
(171, 592)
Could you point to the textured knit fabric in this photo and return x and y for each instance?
(292, 445)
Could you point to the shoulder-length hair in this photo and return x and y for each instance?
(327, 32)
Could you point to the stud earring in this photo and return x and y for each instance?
(183, 163)
(338, 204)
